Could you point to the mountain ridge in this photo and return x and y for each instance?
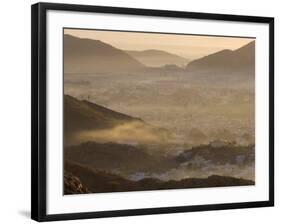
(87, 56)
(157, 58)
(226, 61)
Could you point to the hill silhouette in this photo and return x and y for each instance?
(241, 60)
(157, 58)
(88, 56)
(86, 121)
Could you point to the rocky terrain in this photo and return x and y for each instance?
(72, 184)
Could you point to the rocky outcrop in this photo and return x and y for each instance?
(73, 185)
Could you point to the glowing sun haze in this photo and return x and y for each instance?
(189, 46)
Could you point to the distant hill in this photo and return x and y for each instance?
(158, 58)
(88, 56)
(97, 181)
(87, 121)
(226, 62)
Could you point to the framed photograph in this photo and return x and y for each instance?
(140, 111)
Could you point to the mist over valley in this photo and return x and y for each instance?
(170, 120)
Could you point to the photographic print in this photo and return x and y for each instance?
(157, 111)
(141, 111)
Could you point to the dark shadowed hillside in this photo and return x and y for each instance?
(88, 56)
(121, 158)
(82, 114)
(157, 58)
(99, 181)
(86, 121)
(227, 61)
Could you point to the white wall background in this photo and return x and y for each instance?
(15, 110)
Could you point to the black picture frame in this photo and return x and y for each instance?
(39, 122)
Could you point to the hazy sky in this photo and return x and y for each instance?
(188, 46)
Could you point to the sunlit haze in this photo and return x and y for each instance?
(188, 46)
